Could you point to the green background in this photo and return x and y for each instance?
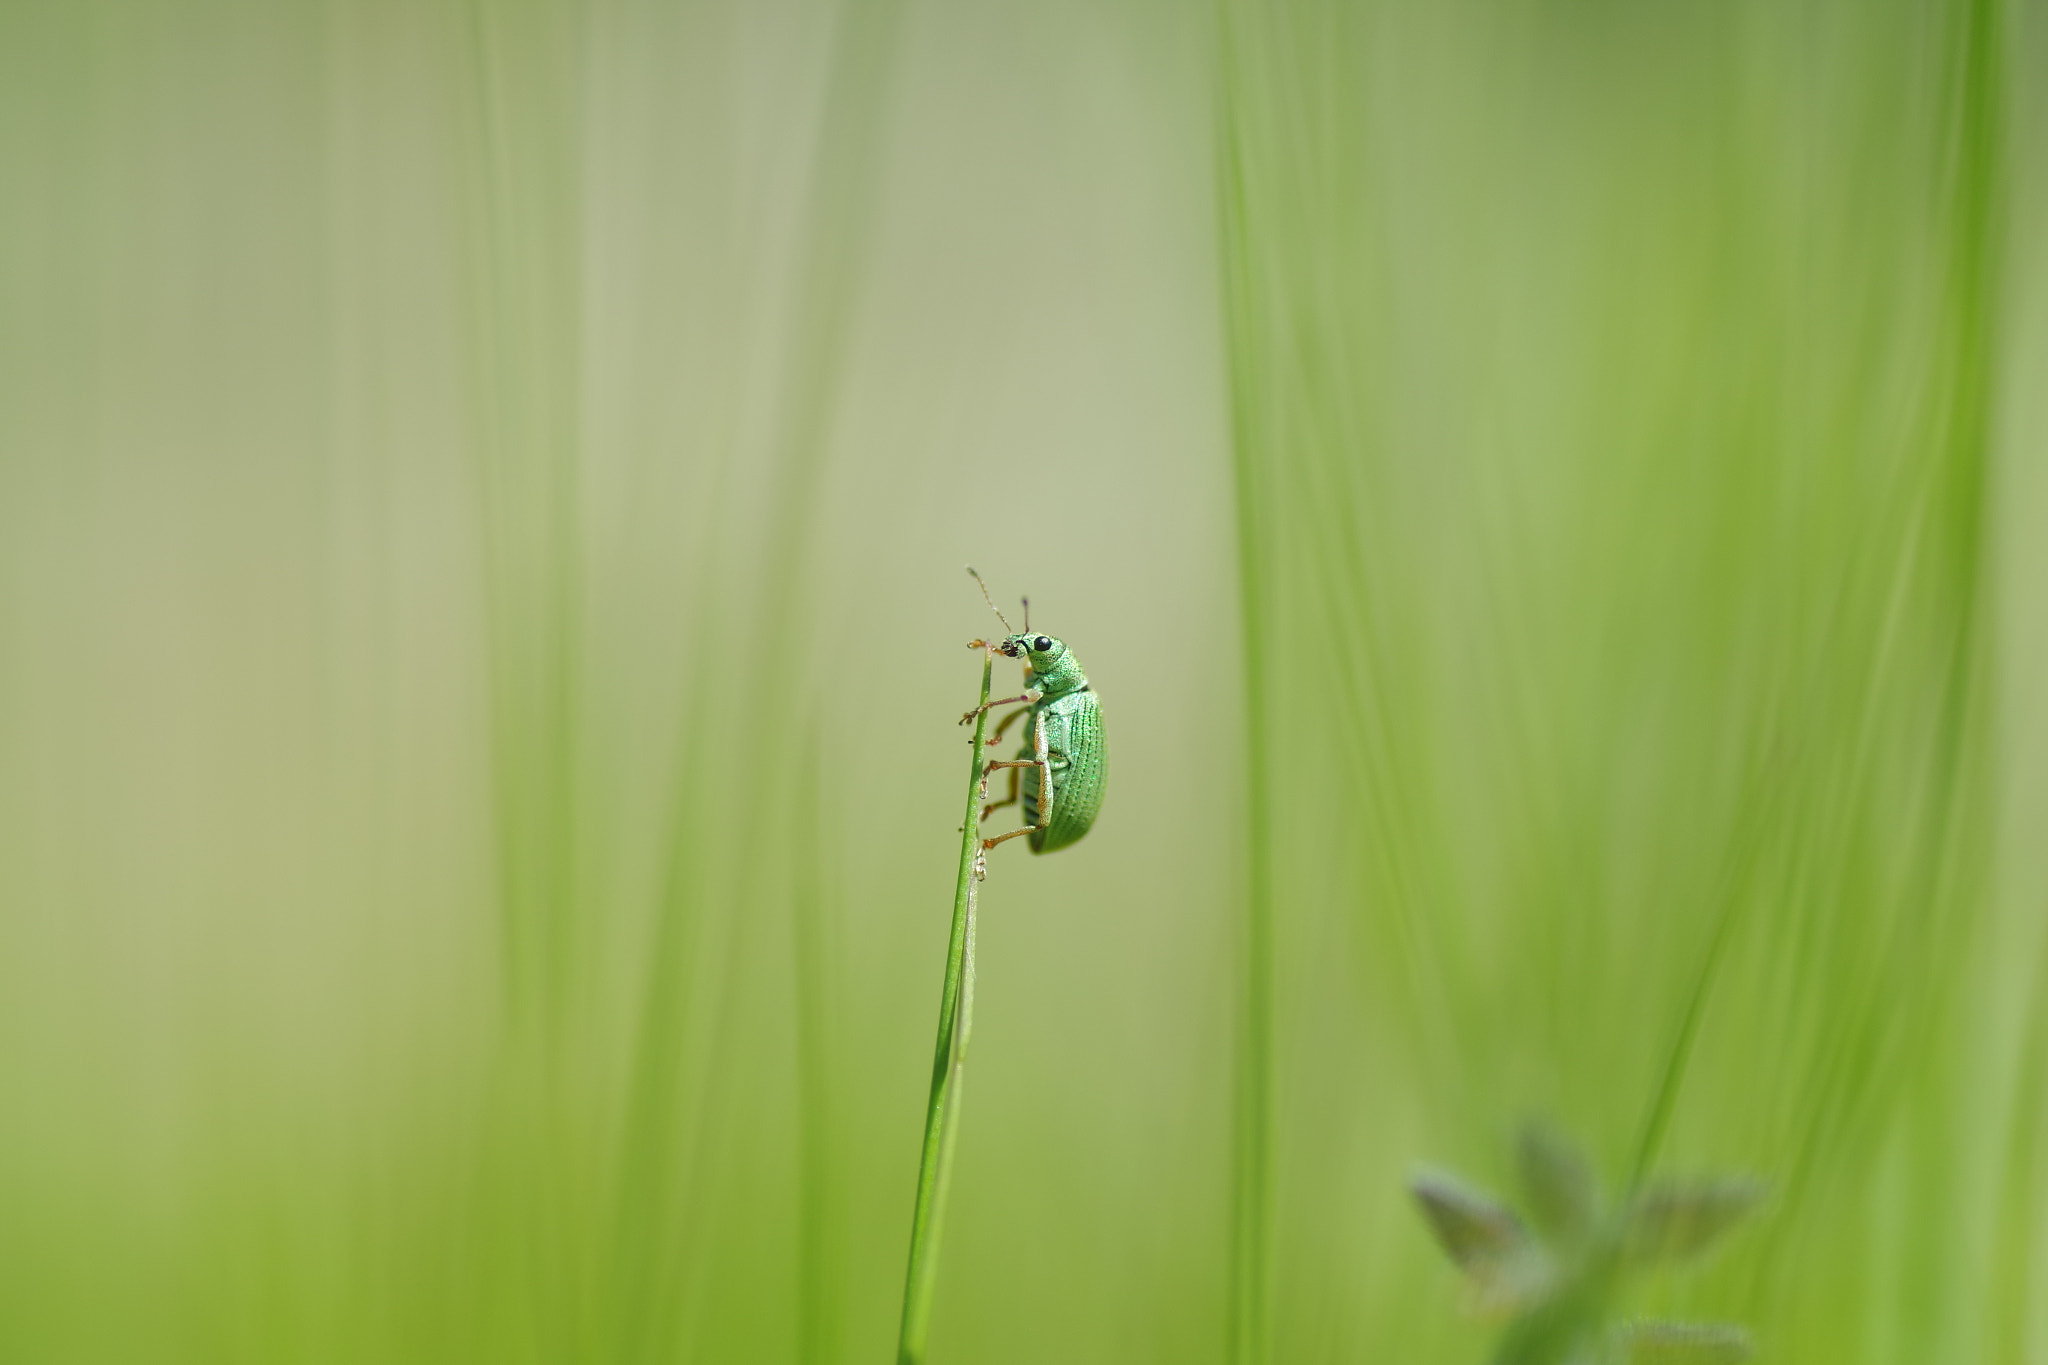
(1550, 495)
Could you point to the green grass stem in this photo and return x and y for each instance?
(1251, 1082)
(942, 1110)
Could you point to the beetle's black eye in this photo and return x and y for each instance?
(1042, 643)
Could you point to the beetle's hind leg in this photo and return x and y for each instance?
(987, 844)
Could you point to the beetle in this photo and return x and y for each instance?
(1063, 763)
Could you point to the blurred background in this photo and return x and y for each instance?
(1548, 493)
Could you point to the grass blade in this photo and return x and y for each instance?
(942, 1110)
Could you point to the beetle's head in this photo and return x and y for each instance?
(1040, 651)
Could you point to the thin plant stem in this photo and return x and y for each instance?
(942, 1111)
(1252, 1188)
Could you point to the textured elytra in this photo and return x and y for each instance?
(1079, 759)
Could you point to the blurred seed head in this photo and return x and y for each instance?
(1556, 1275)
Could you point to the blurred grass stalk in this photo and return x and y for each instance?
(1612, 400)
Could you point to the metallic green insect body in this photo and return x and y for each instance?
(1063, 762)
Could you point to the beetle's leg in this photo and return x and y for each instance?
(968, 718)
(1013, 765)
(1004, 724)
(1042, 761)
(1044, 765)
(994, 764)
(1016, 791)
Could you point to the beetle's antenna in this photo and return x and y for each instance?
(1027, 616)
(991, 601)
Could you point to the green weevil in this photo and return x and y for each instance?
(1064, 763)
